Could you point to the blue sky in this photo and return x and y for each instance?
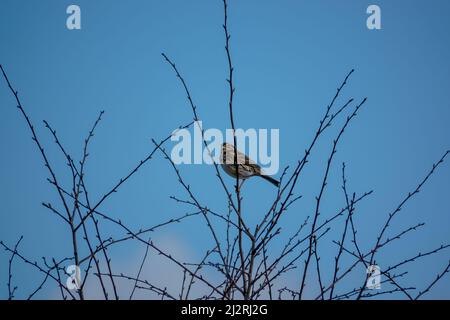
(289, 58)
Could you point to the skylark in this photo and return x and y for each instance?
(247, 167)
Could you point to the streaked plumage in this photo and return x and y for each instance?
(246, 166)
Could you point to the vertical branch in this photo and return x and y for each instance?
(319, 277)
(202, 209)
(350, 209)
(230, 107)
(322, 189)
(60, 285)
(205, 143)
(140, 270)
(81, 184)
(246, 278)
(197, 270)
(324, 123)
(76, 203)
(266, 273)
(35, 265)
(11, 291)
(396, 211)
(53, 180)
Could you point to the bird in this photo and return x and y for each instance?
(247, 168)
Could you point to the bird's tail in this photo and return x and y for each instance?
(271, 180)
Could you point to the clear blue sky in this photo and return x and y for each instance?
(289, 57)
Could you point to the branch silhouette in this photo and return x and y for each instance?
(244, 259)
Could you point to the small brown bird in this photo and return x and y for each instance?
(247, 167)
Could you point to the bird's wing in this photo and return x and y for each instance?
(242, 158)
